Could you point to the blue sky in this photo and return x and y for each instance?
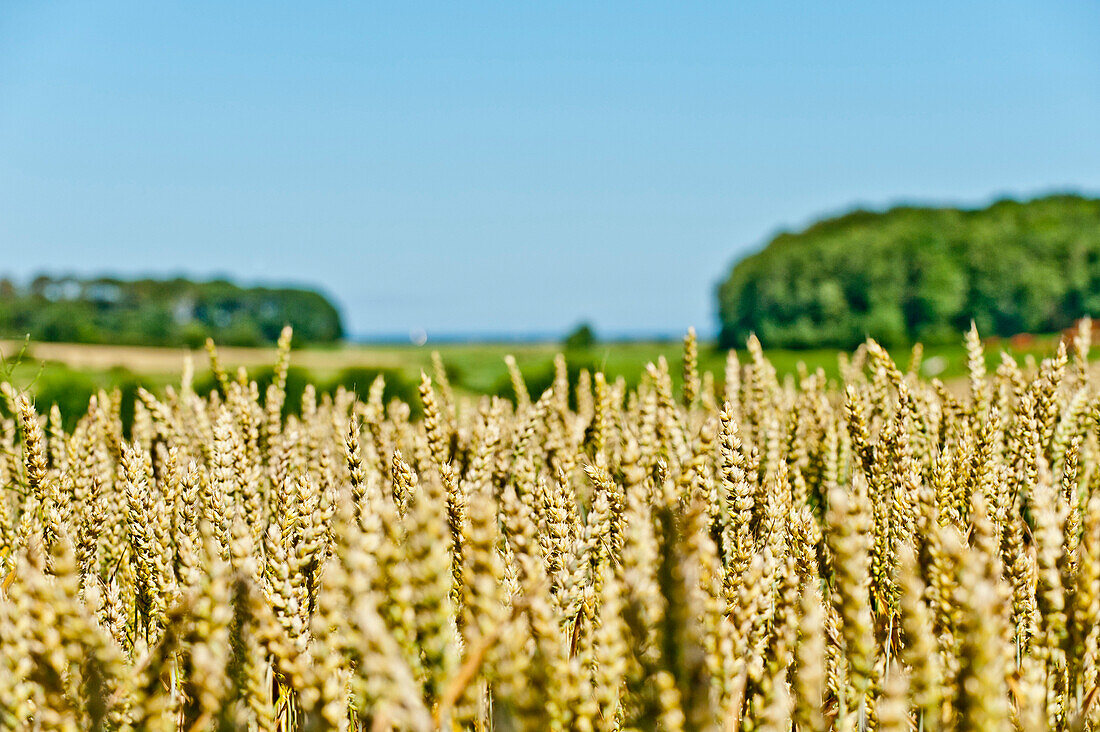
(514, 167)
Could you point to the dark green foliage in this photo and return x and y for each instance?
(67, 389)
(71, 389)
(296, 380)
(176, 312)
(922, 274)
(582, 337)
(540, 377)
(354, 378)
(359, 379)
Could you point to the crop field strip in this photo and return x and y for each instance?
(768, 553)
(474, 368)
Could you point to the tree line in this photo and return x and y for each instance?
(173, 312)
(918, 273)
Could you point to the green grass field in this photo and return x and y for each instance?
(69, 373)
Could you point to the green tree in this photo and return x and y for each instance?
(163, 312)
(919, 273)
(580, 338)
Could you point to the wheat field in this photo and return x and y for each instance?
(878, 553)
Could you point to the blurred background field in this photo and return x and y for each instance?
(68, 374)
(1023, 272)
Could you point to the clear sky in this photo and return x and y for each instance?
(515, 166)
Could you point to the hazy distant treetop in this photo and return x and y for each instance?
(163, 312)
(580, 338)
(915, 273)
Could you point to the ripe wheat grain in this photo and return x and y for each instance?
(780, 554)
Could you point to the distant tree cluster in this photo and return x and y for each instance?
(919, 274)
(177, 312)
(580, 338)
